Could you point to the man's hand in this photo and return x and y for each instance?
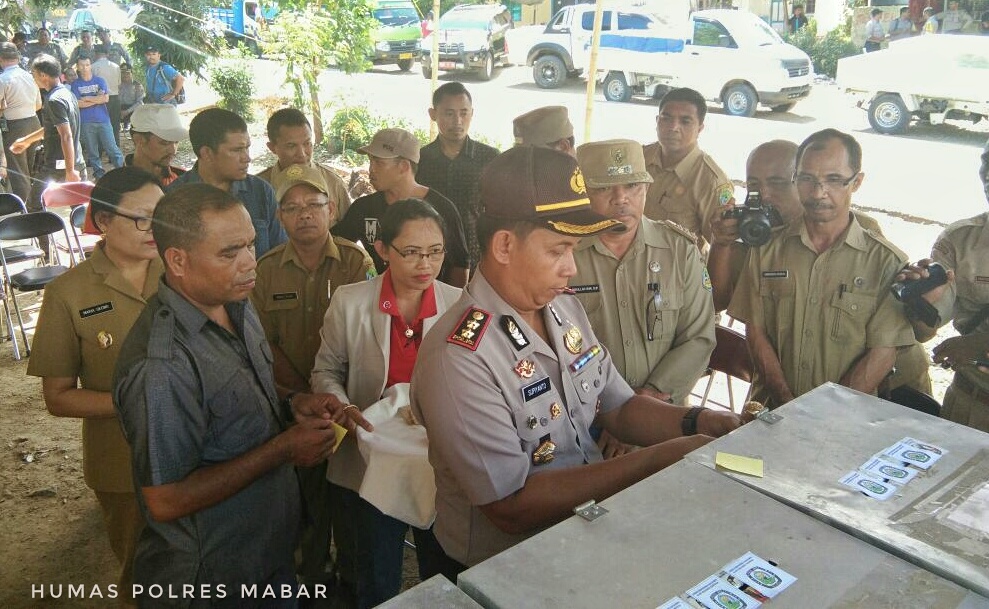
(653, 393)
(717, 423)
(611, 447)
(19, 146)
(913, 272)
(328, 407)
(961, 350)
(724, 232)
(309, 441)
(71, 175)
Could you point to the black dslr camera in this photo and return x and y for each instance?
(755, 220)
(910, 293)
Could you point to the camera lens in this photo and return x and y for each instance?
(755, 229)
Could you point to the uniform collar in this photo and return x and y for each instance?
(113, 279)
(289, 254)
(644, 235)
(482, 292)
(683, 169)
(854, 236)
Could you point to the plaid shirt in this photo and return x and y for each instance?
(459, 180)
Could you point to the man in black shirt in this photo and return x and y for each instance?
(453, 162)
(394, 155)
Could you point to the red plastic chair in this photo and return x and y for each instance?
(67, 194)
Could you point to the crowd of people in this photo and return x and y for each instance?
(563, 298)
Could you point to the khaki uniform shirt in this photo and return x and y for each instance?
(291, 300)
(491, 393)
(821, 312)
(338, 190)
(666, 347)
(90, 306)
(687, 193)
(964, 248)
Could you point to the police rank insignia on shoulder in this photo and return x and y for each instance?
(681, 230)
(519, 341)
(471, 328)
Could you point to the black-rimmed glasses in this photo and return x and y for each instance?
(141, 223)
(416, 255)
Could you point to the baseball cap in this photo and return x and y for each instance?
(392, 144)
(300, 174)
(542, 126)
(161, 119)
(152, 48)
(612, 162)
(542, 186)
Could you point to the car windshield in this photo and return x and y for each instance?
(464, 20)
(761, 34)
(396, 16)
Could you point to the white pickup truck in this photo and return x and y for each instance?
(926, 77)
(730, 57)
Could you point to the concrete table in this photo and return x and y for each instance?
(673, 530)
(939, 520)
(437, 592)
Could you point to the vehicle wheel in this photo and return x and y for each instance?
(405, 65)
(784, 107)
(740, 100)
(549, 72)
(887, 114)
(616, 89)
(487, 70)
(427, 71)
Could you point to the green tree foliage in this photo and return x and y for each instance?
(312, 37)
(178, 28)
(14, 14)
(824, 52)
(233, 81)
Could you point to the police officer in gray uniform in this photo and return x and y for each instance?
(510, 379)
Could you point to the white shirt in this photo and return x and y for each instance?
(110, 72)
(874, 29)
(20, 94)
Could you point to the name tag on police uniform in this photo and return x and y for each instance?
(96, 310)
(285, 296)
(585, 289)
(776, 274)
(534, 390)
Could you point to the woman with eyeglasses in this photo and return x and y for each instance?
(370, 340)
(85, 317)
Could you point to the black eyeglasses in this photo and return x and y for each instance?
(311, 207)
(141, 223)
(416, 255)
(829, 183)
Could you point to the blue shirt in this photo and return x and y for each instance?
(93, 87)
(259, 198)
(190, 394)
(158, 82)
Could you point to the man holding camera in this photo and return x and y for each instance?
(815, 299)
(964, 299)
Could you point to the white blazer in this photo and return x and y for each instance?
(353, 358)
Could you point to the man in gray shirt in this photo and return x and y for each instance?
(110, 72)
(212, 445)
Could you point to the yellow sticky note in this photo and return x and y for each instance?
(339, 432)
(740, 464)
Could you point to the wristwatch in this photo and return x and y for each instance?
(689, 423)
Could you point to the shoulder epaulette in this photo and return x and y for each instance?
(681, 230)
(471, 328)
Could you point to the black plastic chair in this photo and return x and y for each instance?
(29, 226)
(11, 204)
(77, 219)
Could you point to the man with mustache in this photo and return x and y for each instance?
(213, 441)
(223, 152)
(815, 299)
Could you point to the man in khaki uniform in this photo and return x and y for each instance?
(645, 290)
(769, 170)
(963, 249)
(294, 285)
(546, 127)
(510, 379)
(815, 299)
(687, 184)
(290, 139)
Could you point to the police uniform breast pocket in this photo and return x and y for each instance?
(287, 300)
(975, 288)
(777, 293)
(662, 313)
(538, 420)
(850, 313)
(589, 296)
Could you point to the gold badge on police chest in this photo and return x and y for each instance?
(525, 369)
(573, 340)
(555, 411)
(544, 454)
(531, 422)
(105, 339)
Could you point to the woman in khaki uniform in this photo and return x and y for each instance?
(85, 316)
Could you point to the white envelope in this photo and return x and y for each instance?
(399, 479)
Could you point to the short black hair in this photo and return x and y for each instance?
(818, 140)
(111, 188)
(178, 219)
(9, 51)
(684, 94)
(796, 6)
(450, 89)
(905, 9)
(876, 11)
(211, 126)
(487, 227)
(19, 37)
(47, 65)
(286, 117)
(406, 210)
